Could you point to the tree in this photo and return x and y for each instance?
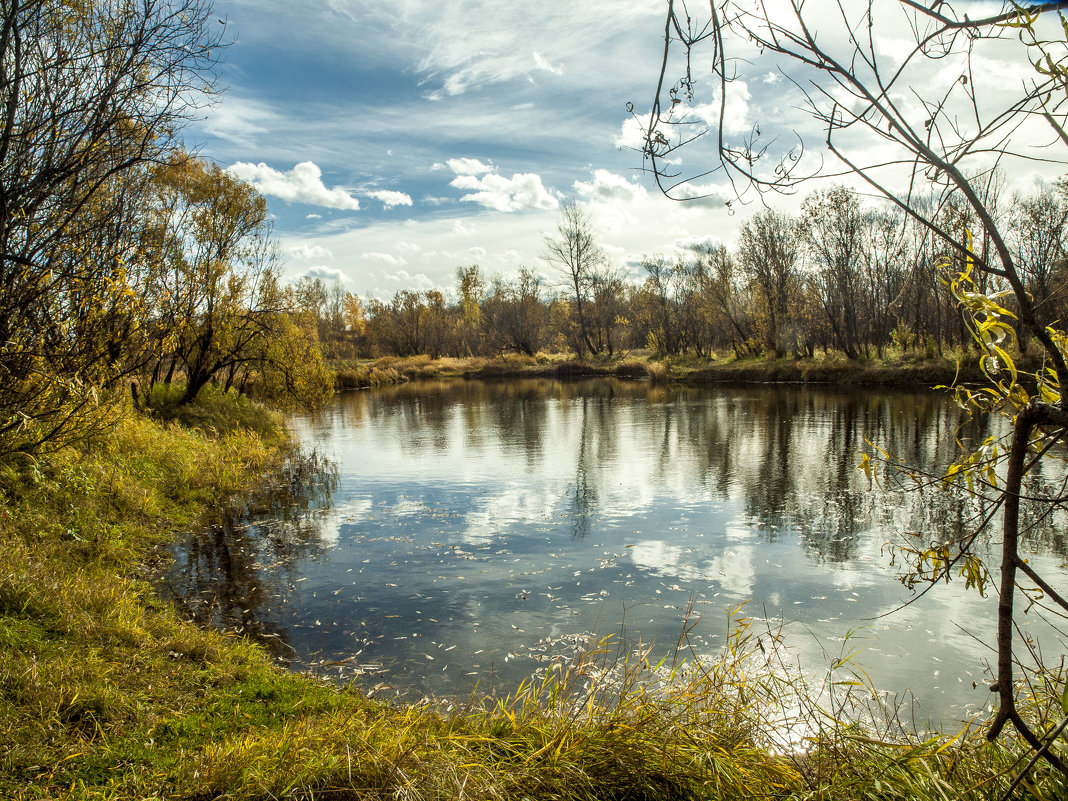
(576, 254)
(90, 93)
(942, 131)
(470, 287)
(726, 292)
(1038, 236)
(768, 250)
(514, 315)
(660, 302)
(834, 230)
(217, 304)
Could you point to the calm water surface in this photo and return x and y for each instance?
(469, 531)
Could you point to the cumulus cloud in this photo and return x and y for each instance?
(710, 195)
(389, 198)
(466, 166)
(478, 252)
(607, 187)
(631, 134)
(696, 244)
(735, 110)
(302, 184)
(308, 252)
(327, 274)
(521, 192)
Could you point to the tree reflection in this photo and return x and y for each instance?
(582, 495)
(785, 455)
(234, 574)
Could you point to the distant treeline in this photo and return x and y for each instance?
(838, 276)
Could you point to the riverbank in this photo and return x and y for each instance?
(106, 692)
(826, 370)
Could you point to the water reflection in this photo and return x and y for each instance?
(474, 528)
(233, 574)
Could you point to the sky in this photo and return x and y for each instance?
(397, 141)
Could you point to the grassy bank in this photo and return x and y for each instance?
(829, 370)
(105, 692)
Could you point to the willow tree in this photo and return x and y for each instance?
(919, 104)
(218, 311)
(90, 93)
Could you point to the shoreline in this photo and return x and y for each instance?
(827, 372)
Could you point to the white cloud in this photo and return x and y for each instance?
(735, 111)
(478, 252)
(466, 166)
(608, 187)
(308, 252)
(385, 258)
(302, 184)
(474, 44)
(327, 274)
(521, 192)
(313, 217)
(712, 195)
(389, 198)
(239, 121)
(542, 63)
(631, 134)
(419, 281)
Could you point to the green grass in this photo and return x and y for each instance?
(106, 693)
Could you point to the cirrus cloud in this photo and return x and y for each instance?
(302, 184)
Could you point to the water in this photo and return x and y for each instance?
(468, 531)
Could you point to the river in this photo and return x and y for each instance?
(462, 533)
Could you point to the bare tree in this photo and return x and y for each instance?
(834, 230)
(768, 249)
(575, 253)
(941, 129)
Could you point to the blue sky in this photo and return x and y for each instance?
(396, 141)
